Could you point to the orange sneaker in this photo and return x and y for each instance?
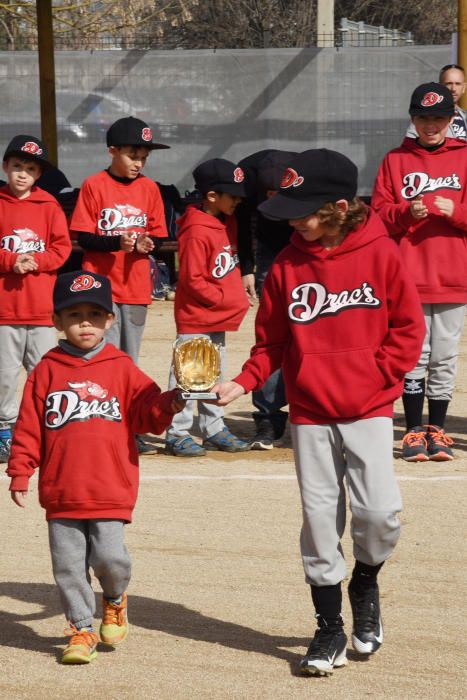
(81, 648)
(438, 444)
(414, 447)
(114, 628)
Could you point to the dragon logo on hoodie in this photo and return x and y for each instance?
(83, 401)
(23, 240)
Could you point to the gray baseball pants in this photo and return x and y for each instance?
(77, 545)
(20, 346)
(210, 417)
(444, 325)
(359, 453)
(127, 329)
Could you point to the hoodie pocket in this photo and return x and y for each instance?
(94, 474)
(339, 385)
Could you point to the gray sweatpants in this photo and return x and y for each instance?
(210, 416)
(20, 346)
(127, 329)
(444, 324)
(77, 545)
(361, 454)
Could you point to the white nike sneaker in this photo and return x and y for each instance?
(327, 650)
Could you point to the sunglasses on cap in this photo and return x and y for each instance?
(449, 67)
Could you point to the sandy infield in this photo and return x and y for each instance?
(217, 603)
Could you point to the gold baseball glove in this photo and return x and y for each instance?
(197, 364)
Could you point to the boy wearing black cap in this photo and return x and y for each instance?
(118, 218)
(86, 392)
(210, 297)
(34, 243)
(421, 195)
(341, 316)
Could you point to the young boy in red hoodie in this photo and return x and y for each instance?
(86, 392)
(118, 218)
(210, 297)
(34, 243)
(421, 195)
(341, 315)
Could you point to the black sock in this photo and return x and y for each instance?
(327, 601)
(413, 399)
(437, 409)
(364, 575)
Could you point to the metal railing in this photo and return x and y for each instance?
(354, 34)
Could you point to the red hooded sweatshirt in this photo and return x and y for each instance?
(77, 423)
(434, 248)
(345, 324)
(35, 225)
(210, 295)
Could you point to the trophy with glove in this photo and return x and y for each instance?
(197, 367)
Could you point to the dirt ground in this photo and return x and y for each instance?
(218, 603)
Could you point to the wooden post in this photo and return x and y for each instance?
(462, 41)
(47, 77)
(325, 24)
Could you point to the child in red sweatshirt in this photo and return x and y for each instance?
(210, 297)
(341, 315)
(86, 392)
(421, 194)
(34, 243)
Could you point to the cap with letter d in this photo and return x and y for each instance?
(130, 131)
(312, 179)
(431, 99)
(28, 147)
(82, 287)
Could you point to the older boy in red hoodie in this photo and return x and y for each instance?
(341, 316)
(34, 243)
(421, 195)
(210, 297)
(86, 392)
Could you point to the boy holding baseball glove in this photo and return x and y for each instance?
(86, 392)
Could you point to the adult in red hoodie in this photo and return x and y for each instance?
(341, 316)
(210, 297)
(421, 195)
(34, 243)
(81, 408)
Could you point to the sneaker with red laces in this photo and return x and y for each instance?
(438, 444)
(114, 628)
(414, 445)
(81, 648)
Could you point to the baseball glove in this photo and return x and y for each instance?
(197, 364)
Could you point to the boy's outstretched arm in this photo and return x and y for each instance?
(228, 391)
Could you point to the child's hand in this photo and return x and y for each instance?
(19, 497)
(127, 242)
(249, 287)
(417, 208)
(144, 244)
(227, 391)
(24, 263)
(445, 205)
(178, 404)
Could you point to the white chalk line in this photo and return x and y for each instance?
(266, 477)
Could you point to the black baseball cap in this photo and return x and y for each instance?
(130, 131)
(81, 287)
(312, 179)
(220, 175)
(30, 147)
(431, 99)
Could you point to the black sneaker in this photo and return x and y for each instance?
(367, 633)
(414, 446)
(438, 444)
(327, 649)
(264, 438)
